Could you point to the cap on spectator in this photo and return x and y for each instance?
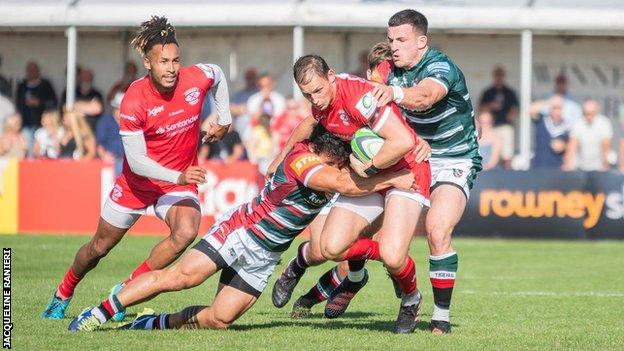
(116, 101)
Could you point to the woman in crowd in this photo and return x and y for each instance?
(48, 137)
(12, 143)
(78, 141)
(490, 144)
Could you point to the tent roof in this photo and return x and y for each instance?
(583, 16)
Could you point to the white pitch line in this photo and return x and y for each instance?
(542, 293)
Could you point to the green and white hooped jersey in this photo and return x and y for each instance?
(448, 126)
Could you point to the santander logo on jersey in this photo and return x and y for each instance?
(178, 127)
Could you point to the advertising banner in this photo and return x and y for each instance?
(65, 197)
(545, 204)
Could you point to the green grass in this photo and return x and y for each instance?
(510, 295)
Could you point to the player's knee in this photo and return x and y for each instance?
(182, 237)
(439, 241)
(438, 230)
(315, 256)
(216, 322)
(98, 249)
(179, 281)
(392, 259)
(331, 252)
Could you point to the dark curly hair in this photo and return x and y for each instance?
(157, 30)
(325, 142)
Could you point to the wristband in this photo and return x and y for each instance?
(372, 170)
(397, 93)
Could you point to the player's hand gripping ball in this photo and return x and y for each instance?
(365, 144)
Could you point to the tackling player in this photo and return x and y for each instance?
(245, 245)
(159, 126)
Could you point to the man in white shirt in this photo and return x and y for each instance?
(265, 101)
(590, 140)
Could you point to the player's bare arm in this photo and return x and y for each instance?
(334, 180)
(418, 98)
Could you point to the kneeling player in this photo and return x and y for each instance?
(246, 244)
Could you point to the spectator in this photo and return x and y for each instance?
(6, 110)
(363, 65)
(228, 149)
(266, 100)
(502, 102)
(260, 145)
(109, 146)
(203, 154)
(129, 75)
(571, 110)
(89, 102)
(551, 133)
(34, 94)
(590, 140)
(490, 143)
(48, 137)
(78, 141)
(12, 143)
(5, 85)
(238, 102)
(283, 125)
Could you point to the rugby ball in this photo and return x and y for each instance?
(365, 144)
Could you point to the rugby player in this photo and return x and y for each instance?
(308, 253)
(343, 104)
(246, 243)
(431, 91)
(160, 128)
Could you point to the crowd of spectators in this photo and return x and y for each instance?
(34, 123)
(567, 135)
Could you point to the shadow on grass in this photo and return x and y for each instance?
(342, 323)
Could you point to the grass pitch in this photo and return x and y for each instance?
(509, 295)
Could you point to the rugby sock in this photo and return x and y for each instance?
(356, 276)
(411, 299)
(356, 265)
(142, 268)
(356, 270)
(161, 322)
(442, 270)
(108, 308)
(66, 288)
(407, 277)
(300, 263)
(325, 285)
(363, 249)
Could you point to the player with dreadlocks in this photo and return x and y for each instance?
(160, 129)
